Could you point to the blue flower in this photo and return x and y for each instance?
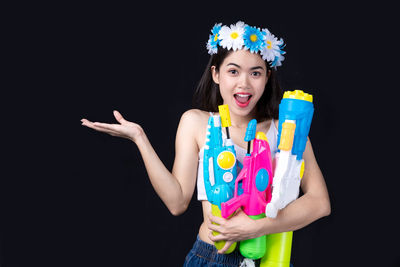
(213, 41)
(254, 39)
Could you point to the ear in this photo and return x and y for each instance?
(215, 74)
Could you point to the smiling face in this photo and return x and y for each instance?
(241, 77)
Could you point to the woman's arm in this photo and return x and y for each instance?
(313, 205)
(175, 189)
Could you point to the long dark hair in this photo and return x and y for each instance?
(207, 96)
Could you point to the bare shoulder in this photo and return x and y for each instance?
(194, 116)
(194, 121)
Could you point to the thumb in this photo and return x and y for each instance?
(119, 117)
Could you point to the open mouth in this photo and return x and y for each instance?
(242, 99)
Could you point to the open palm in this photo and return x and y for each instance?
(124, 129)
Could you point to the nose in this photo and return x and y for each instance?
(243, 82)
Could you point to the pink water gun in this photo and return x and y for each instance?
(254, 185)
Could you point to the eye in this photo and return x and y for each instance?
(256, 73)
(233, 72)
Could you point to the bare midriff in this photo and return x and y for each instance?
(204, 231)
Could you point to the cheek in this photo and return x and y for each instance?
(226, 86)
(226, 81)
(259, 87)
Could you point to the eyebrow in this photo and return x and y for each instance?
(252, 68)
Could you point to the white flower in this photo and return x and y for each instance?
(241, 36)
(278, 61)
(272, 47)
(232, 37)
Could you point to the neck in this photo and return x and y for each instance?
(238, 121)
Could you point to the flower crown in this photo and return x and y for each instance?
(254, 39)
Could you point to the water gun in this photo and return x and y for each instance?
(295, 114)
(219, 166)
(255, 180)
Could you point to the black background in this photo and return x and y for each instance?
(75, 197)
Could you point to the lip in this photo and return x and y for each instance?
(242, 105)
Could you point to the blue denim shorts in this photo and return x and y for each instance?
(204, 254)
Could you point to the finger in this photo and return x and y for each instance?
(226, 247)
(214, 227)
(216, 219)
(97, 128)
(85, 121)
(98, 124)
(119, 117)
(216, 238)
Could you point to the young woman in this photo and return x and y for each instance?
(241, 74)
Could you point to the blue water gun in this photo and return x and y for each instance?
(219, 166)
(295, 115)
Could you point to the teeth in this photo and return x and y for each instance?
(242, 95)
